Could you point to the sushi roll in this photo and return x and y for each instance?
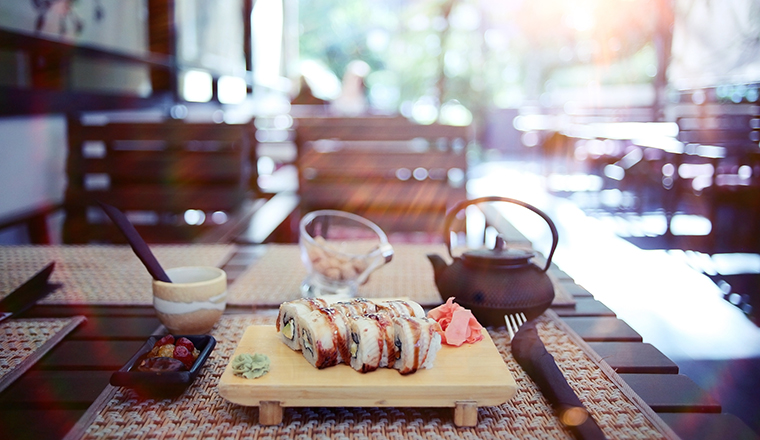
(417, 343)
(385, 325)
(287, 326)
(401, 308)
(371, 342)
(355, 307)
(323, 335)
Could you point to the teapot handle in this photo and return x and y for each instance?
(461, 205)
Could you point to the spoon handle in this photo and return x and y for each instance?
(136, 241)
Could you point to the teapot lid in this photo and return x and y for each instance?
(499, 256)
(504, 257)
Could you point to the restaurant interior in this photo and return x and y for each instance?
(633, 124)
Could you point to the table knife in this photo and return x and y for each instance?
(26, 295)
(529, 351)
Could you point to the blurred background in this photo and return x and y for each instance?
(641, 112)
(634, 123)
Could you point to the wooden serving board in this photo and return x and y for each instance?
(463, 377)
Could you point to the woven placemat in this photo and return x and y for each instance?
(24, 341)
(202, 413)
(276, 277)
(100, 274)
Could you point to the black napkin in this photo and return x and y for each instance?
(136, 241)
(532, 356)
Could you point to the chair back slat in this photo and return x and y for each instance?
(399, 174)
(156, 172)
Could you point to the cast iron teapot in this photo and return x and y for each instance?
(499, 281)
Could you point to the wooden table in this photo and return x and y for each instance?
(47, 401)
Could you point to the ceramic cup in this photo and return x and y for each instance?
(193, 302)
(340, 250)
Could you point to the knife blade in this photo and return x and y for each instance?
(27, 294)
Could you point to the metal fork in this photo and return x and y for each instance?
(514, 321)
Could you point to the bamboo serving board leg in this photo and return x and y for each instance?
(270, 413)
(466, 413)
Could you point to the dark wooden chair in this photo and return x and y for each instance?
(725, 136)
(30, 226)
(176, 181)
(401, 175)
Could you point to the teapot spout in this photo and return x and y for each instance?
(439, 264)
(439, 267)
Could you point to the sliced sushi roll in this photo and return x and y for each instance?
(287, 326)
(401, 308)
(385, 327)
(355, 307)
(323, 335)
(417, 343)
(371, 342)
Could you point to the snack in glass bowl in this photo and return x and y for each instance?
(339, 250)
